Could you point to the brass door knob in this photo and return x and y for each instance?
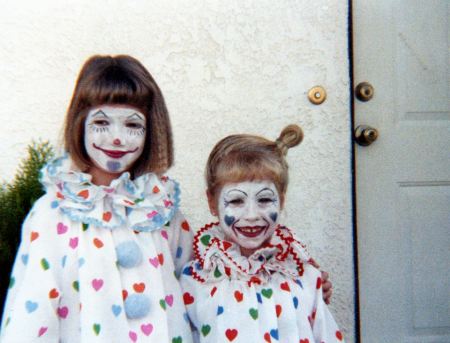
(365, 135)
(364, 91)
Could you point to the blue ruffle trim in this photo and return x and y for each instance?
(128, 201)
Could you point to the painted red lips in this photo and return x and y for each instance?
(251, 231)
(115, 153)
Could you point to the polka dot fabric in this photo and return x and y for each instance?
(99, 264)
(275, 295)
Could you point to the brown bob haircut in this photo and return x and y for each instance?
(244, 157)
(120, 80)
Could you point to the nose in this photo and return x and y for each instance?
(252, 212)
(117, 141)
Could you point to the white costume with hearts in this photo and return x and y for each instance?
(97, 263)
(275, 295)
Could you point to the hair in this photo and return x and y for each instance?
(243, 157)
(120, 80)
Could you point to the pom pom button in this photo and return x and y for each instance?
(137, 306)
(129, 254)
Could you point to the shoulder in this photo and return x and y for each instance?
(44, 207)
(172, 187)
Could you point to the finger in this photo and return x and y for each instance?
(327, 296)
(326, 286)
(314, 263)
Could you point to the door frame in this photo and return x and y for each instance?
(351, 60)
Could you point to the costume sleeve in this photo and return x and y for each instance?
(199, 305)
(31, 309)
(322, 322)
(180, 241)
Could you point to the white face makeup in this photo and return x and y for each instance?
(248, 213)
(114, 137)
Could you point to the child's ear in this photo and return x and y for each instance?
(212, 203)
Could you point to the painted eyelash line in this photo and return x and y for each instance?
(137, 132)
(96, 128)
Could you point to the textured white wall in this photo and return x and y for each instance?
(224, 67)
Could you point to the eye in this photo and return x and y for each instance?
(135, 126)
(100, 122)
(236, 202)
(265, 200)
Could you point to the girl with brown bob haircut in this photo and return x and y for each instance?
(120, 80)
(102, 248)
(251, 280)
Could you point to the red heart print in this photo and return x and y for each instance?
(139, 287)
(107, 216)
(98, 243)
(53, 293)
(278, 310)
(238, 296)
(185, 226)
(161, 259)
(188, 298)
(285, 286)
(226, 245)
(231, 334)
(318, 283)
(84, 194)
(34, 235)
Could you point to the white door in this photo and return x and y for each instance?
(401, 47)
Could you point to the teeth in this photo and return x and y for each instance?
(250, 229)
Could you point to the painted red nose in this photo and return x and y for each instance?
(117, 141)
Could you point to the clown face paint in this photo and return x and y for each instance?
(248, 213)
(114, 137)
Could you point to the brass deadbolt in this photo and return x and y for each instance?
(365, 135)
(317, 95)
(364, 91)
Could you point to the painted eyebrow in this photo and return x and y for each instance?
(236, 190)
(100, 112)
(266, 189)
(135, 114)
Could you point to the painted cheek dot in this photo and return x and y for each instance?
(274, 216)
(229, 220)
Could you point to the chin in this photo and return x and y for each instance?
(253, 245)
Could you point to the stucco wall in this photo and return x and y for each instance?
(224, 67)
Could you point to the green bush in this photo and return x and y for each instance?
(16, 200)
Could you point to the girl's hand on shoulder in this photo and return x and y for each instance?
(327, 286)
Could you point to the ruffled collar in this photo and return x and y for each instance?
(217, 258)
(143, 204)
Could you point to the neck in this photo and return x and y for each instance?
(247, 252)
(102, 178)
